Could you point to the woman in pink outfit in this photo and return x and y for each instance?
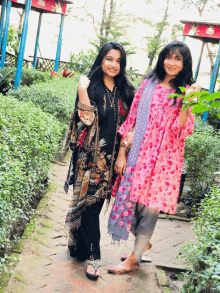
(150, 179)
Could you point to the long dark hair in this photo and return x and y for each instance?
(185, 76)
(124, 86)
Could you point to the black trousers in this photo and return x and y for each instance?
(88, 236)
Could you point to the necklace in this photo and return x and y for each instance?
(111, 96)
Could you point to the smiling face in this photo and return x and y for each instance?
(173, 64)
(111, 63)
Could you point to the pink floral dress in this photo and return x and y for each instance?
(156, 177)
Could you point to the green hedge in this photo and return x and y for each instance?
(204, 253)
(29, 139)
(29, 76)
(56, 96)
(202, 151)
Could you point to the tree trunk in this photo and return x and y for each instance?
(157, 37)
(203, 7)
(151, 57)
(103, 23)
(109, 19)
(21, 14)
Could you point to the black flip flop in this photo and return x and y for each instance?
(95, 264)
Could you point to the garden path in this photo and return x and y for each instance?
(45, 264)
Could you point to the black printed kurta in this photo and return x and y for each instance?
(94, 141)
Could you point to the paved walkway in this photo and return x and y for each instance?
(45, 264)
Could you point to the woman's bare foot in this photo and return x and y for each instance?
(90, 269)
(127, 255)
(126, 266)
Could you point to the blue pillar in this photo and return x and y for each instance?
(199, 62)
(184, 37)
(37, 41)
(22, 44)
(2, 20)
(213, 79)
(59, 44)
(5, 37)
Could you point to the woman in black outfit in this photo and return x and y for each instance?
(103, 101)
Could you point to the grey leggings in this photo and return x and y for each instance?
(142, 228)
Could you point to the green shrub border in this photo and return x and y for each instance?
(69, 86)
(28, 232)
(203, 254)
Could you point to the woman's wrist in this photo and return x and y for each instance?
(123, 144)
(83, 97)
(122, 151)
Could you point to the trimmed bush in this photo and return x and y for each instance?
(204, 253)
(202, 151)
(29, 77)
(29, 139)
(56, 96)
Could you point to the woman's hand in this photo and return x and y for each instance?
(195, 87)
(83, 83)
(120, 164)
(130, 139)
(82, 90)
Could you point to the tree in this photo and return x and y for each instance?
(155, 42)
(12, 42)
(14, 34)
(114, 24)
(19, 31)
(200, 5)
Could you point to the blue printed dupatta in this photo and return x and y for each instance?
(122, 212)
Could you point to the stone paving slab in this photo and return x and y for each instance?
(45, 265)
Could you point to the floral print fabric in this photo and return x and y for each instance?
(156, 176)
(123, 209)
(93, 142)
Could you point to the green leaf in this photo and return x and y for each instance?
(183, 89)
(192, 103)
(203, 98)
(201, 94)
(200, 108)
(176, 95)
(218, 114)
(215, 104)
(213, 96)
(204, 93)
